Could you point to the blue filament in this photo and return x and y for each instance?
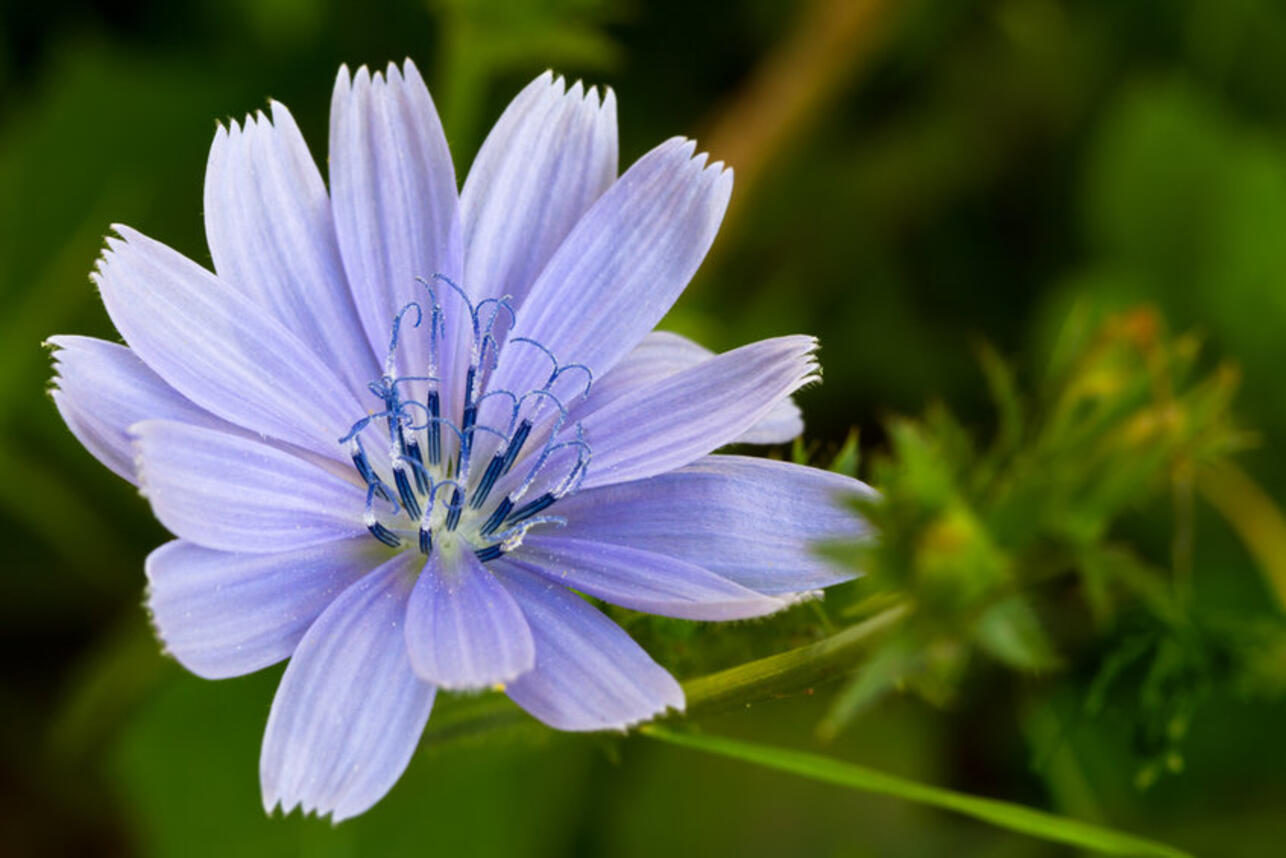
(529, 509)
(435, 430)
(515, 445)
(497, 517)
(454, 508)
(414, 455)
(383, 534)
(494, 468)
(409, 501)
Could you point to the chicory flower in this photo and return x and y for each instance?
(401, 428)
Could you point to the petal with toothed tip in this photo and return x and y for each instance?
(220, 349)
(680, 418)
(548, 157)
(754, 521)
(621, 267)
(271, 234)
(102, 388)
(393, 193)
(327, 749)
(663, 354)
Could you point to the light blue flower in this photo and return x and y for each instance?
(401, 428)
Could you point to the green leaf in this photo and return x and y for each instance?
(884, 670)
(848, 457)
(1011, 632)
(1014, 817)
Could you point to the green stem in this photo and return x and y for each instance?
(775, 676)
(790, 671)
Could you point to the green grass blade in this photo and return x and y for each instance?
(1003, 814)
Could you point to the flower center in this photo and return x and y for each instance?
(485, 478)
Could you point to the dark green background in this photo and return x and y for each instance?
(965, 170)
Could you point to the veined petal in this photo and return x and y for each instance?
(642, 580)
(783, 423)
(271, 234)
(463, 629)
(662, 354)
(349, 711)
(102, 388)
(234, 494)
(678, 419)
(548, 157)
(220, 349)
(393, 192)
(589, 674)
(753, 521)
(223, 614)
(622, 266)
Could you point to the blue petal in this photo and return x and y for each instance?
(223, 614)
(783, 423)
(463, 629)
(754, 521)
(393, 193)
(235, 494)
(642, 580)
(589, 674)
(674, 421)
(549, 156)
(349, 711)
(622, 266)
(268, 222)
(102, 388)
(662, 354)
(220, 349)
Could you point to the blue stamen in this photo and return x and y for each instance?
(454, 508)
(497, 517)
(473, 312)
(362, 464)
(416, 470)
(501, 304)
(417, 458)
(518, 531)
(435, 430)
(527, 510)
(466, 433)
(541, 393)
(383, 534)
(374, 484)
(589, 376)
(409, 500)
(397, 327)
(515, 445)
(470, 377)
(553, 373)
(360, 426)
(494, 468)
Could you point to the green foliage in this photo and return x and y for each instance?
(978, 539)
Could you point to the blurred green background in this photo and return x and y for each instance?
(912, 177)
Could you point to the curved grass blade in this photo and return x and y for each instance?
(1025, 820)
